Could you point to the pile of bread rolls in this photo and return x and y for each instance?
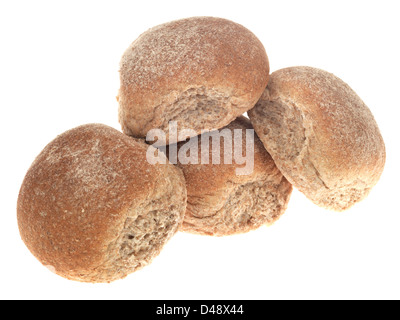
(93, 209)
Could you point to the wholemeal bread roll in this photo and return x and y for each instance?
(92, 209)
(223, 200)
(321, 135)
(201, 72)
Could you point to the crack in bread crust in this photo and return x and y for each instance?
(147, 228)
(211, 105)
(248, 206)
(216, 109)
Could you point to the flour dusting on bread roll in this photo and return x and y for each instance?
(92, 209)
(321, 135)
(201, 72)
(223, 200)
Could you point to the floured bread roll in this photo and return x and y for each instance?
(321, 135)
(223, 198)
(201, 72)
(92, 209)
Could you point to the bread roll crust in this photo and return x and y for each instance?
(321, 135)
(202, 72)
(92, 209)
(221, 203)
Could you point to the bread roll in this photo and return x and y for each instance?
(92, 209)
(201, 72)
(222, 202)
(321, 135)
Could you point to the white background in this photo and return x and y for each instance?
(59, 69)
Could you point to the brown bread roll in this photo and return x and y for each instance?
(92, 209)
(321, 135)
(201, 72)
(223, 200)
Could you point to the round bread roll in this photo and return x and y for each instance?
(321, 135)
(92, 209)
(199, 72)
(223, 200)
